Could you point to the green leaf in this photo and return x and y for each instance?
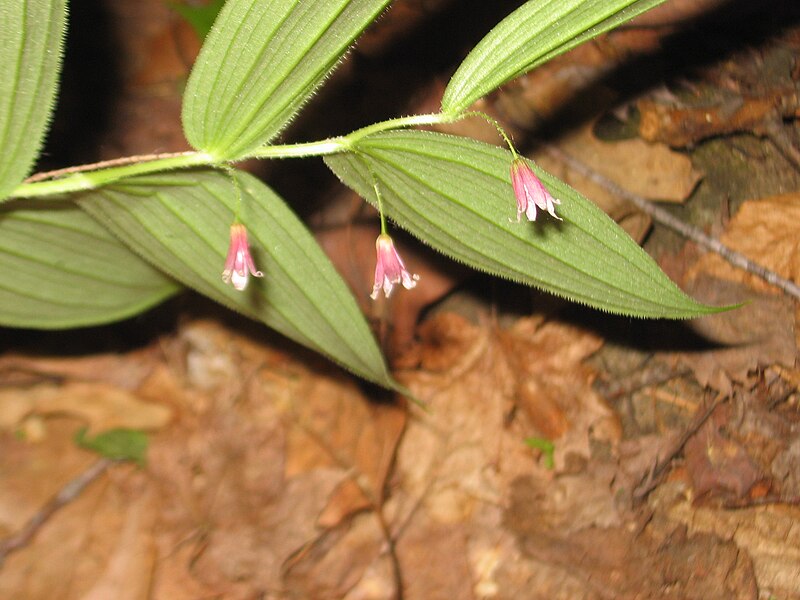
(116, 444)
(201, 18)
(59, 268)
(530, 36)
(455, 194)
(546, 447)
(180, 223)
(261, 62)
(31, 34)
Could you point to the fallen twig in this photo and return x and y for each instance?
(777, 134)
(693, 233)
(644, 377)
(765, 501)
(67, 494)
(652, 478)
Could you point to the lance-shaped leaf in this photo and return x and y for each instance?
(530, 36)
(262, 60)
(179, 222)
(455, 194)
(59, 268)
(31, 33)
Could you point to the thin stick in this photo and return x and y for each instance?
(653, 477)
(693, 233)
(67, 494)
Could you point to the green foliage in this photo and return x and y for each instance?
(261, 62)
(31, 33)
(546, 447)
(179, 223)
(455, 194)
(125, 244)
(201, 17)
(60, 268)
(530, 36)
(116, 444)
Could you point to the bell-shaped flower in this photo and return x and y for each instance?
(239, 263)
(389, 269)
(530, 192)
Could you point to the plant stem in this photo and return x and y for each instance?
(80, 179)
(498, 127)
(344, 143)
(401, 123)
(379, 200)
(306, 149)
(89, 177)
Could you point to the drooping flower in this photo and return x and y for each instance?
(239, 263)
(530, 192)
(389, 269)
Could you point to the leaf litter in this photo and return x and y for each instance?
(277, 475)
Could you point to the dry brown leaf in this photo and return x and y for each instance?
(100, 543)
(101, 406)
(718, 465)
(172, 577)
(433, 560)
(127, 575)
(223, 494)
(555, 387)
(680, 125)
(766, 231)
(336, 427)
(257, 475)
(652, 171)
(32, 472)
(622, 562)
(649, 170)
(125, 371)
(442, 342)
(455, 464)
(335, 564)
(769, 534)
(747, 445)
(213, 358)
(758, 333)
(163, 386)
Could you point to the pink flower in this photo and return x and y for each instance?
(390, 269)
(239, 261)
(530, 192)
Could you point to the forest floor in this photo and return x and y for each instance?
(565, 453)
